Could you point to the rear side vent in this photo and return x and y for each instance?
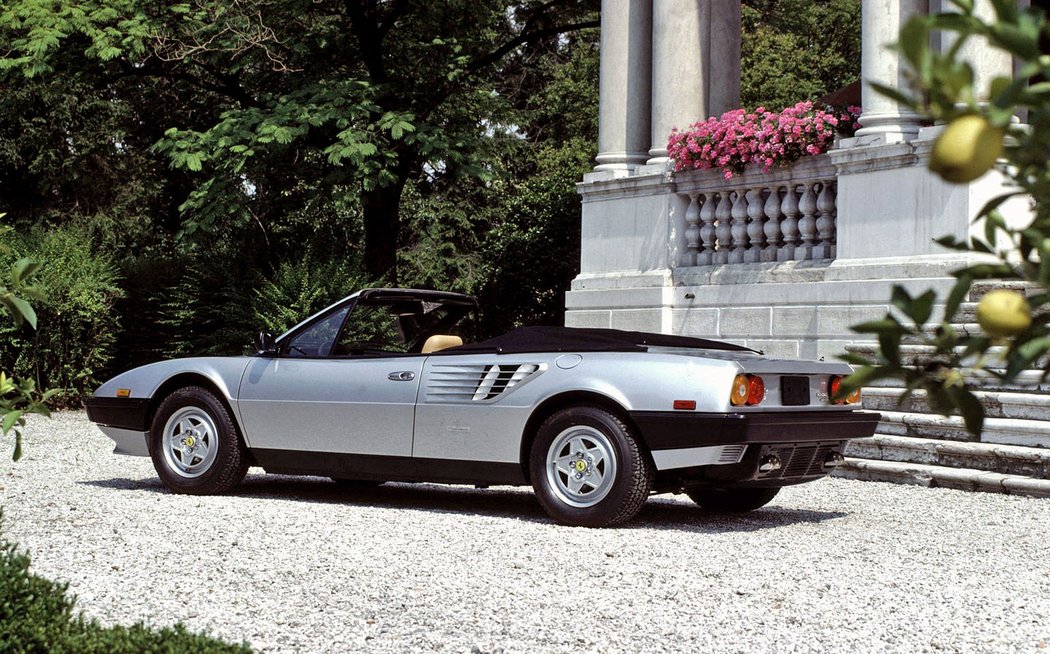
(478, 383)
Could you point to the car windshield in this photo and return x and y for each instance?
(381, 326)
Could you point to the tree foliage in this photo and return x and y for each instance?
(794, 50)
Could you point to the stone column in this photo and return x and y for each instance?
(723, 87)
(624, 86)
(696, 65)
(881, 22)
(987, 62)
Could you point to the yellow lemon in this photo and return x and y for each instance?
(966, 149)
(1003, 313)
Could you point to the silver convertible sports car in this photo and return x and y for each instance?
(382, 386)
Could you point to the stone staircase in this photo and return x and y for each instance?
(915, 446)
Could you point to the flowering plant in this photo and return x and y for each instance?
(738, 138)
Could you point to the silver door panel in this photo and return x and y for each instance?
(331, 405)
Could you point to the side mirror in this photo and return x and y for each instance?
(265, 344)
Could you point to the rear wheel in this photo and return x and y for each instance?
(732, 500)
(588, 469)
(194, 444)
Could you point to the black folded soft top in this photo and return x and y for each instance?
(577, 339)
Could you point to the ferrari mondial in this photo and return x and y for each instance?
(386, 385)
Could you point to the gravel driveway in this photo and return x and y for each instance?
(297, 564)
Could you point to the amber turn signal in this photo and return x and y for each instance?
(747, 389)
(834, 384)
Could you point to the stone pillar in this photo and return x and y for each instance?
(624, 87)
(723, 87)
(881, 24)
(696, 65)
(987, 62)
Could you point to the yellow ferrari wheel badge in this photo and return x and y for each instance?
(580, 465)
(189, 441)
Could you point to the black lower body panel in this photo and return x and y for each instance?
(667, 430)
(120, 412)
(799, 463)
(387, 468)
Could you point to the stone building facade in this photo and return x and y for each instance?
(786, 261)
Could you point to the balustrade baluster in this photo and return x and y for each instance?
(826, 222)
(723, 232)
(707, 230)
(789, 226)
(755, 229)
(772, 226)
(739, 227)
(807, 225)
(692, 231)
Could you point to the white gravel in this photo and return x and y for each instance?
(297, 564)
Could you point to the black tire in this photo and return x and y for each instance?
(619, 466)
(732, 500)
(194, 444)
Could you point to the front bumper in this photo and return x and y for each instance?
(120, 412)
(123, 419)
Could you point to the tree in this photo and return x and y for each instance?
(355, 97)
(794, 50)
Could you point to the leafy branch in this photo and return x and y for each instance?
(1013, 337)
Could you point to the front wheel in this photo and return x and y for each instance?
(194, 444)
(588, 469)
(732, 500)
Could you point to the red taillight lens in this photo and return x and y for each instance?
(756, 389)
(834, 385)
(747, 389)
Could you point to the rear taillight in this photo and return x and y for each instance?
(834, 385)
(747, 390)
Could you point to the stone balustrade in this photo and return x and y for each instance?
(787, 214)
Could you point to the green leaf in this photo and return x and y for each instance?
(23, 269)
(887, 324)
(969, 407)
(11, 419)
(956, 296)
(18, 446)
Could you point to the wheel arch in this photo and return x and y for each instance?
(184, 379)
(555, 403)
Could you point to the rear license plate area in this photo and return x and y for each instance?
(794, 390)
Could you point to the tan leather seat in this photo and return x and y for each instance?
(441, 342)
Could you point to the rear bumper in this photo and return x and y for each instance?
(126, 413)
(665, 430)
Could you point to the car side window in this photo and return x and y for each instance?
(317, 339)
(373, 329)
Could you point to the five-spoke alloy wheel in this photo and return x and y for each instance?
(588, 468)
(194, 444)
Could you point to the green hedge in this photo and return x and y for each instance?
(37, 615)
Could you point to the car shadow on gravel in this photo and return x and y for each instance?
(660, 512)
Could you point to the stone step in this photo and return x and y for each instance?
(986, 457)
(1002, 431)
(981, 287)
(942, 477)
(1034, 405)
(1029, 381)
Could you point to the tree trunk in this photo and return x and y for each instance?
(382, 214)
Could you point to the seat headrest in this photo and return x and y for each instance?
(440, 342)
